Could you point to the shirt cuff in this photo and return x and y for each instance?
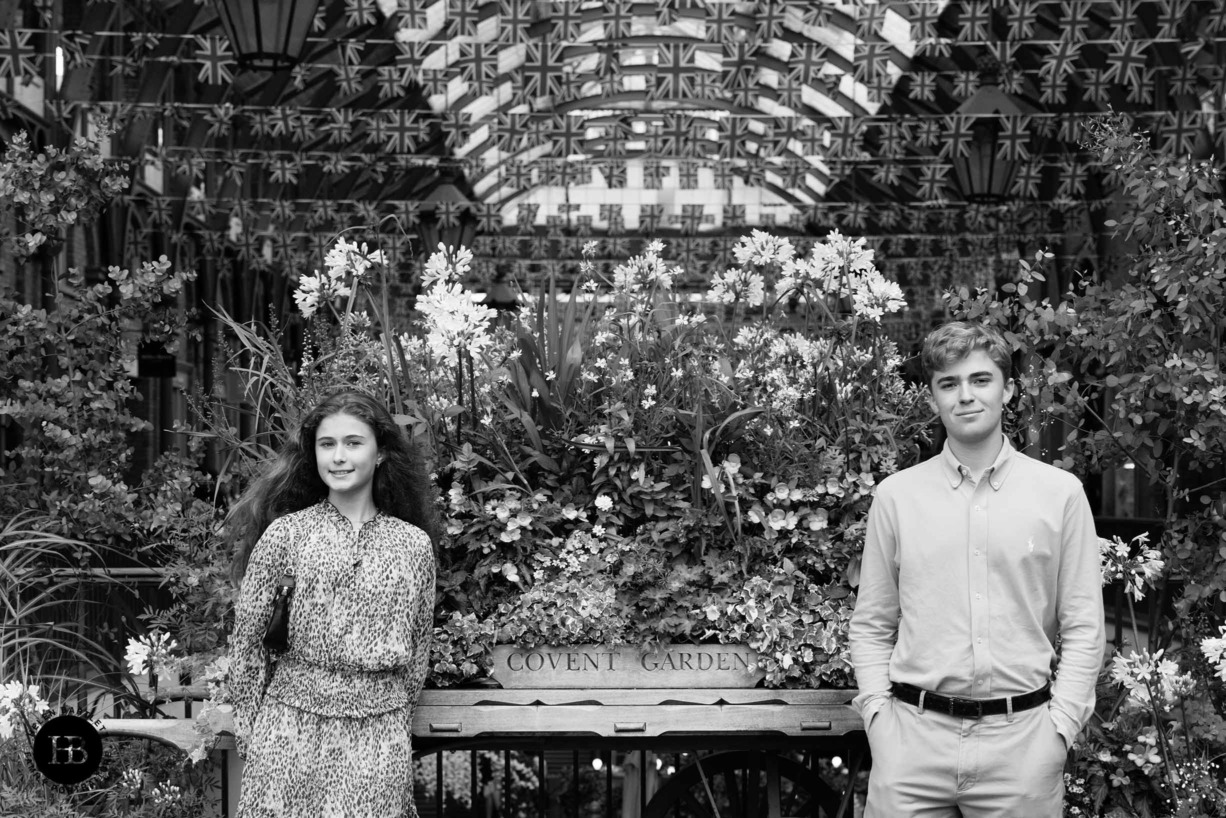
(1065, 726)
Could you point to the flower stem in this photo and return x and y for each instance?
(1163, 742)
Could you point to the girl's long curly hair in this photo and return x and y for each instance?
(401, 487)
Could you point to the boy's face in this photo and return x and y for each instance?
(970, 397)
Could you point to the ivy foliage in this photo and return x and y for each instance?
(1130, 371)
(66, 373)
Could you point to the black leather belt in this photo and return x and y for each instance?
(968, 708)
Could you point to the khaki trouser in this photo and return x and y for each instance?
(937, 766)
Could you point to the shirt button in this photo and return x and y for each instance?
(978, 596)
(981, 640)
(979, 681)
(977, 508)
(976, 552)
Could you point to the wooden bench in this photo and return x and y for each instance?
(733, 731)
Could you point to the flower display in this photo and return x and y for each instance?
(19, 702)
(685, 451)
(1150, 679)
(345, 264)
(644, 273)
(1214, 649)
(152, 653)
(738, 285)
(1135, 563)
(626, 463)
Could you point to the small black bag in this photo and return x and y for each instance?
(276, 635)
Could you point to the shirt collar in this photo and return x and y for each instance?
(334, 514)
(996, 474)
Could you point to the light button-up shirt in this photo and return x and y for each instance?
(967, 584)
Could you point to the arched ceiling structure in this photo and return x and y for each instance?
(568, 98)
(542, 125)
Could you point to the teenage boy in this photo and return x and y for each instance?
(978, 631)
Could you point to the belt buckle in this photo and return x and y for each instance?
(965, 708)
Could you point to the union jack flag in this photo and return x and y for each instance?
(479, 66)
(1143, 91)
(770, 17)
(541, 71)
(613, 216)
(284, 170)
(845, 136)
(1127, 63)
(691, 217)
(932, 181)
(653, 174)
(924, 17)
(1172, 15)
(214, 56)
(1026, 183)
(673, 71)
(566, 19)
(514, 19)
(526, 214)
(282, 211)
(17, 57)
(1013, 138)
(650, 217)
(489, 217)
(1179, 131)
(618, 18)
(159, 210)
(1073, 176)
(958, 136)
(360, 13)
(1076, 22)
(1122, 18)
(348, 78)
(976, 21)
(401, 131)
(614, 173)
(687, 175)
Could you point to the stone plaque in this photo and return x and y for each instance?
(625, 666)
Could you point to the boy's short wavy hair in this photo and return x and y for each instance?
(951, 342)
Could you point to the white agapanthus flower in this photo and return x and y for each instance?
(1118, 562)
(761, 248)
(455, 321)
(738, 284)
(1139, 673)
(1214, 649)
(447, 264)
(840, 267)
(804, 275)
(350, 258)
(151, 653)
(872, 295)
(842, 256)
(799, 347)
(344, 264)
(315, 290)
(19, 701)
(645, 272)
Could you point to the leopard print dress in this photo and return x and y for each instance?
(325, 728)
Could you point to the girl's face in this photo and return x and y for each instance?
(346, 455)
